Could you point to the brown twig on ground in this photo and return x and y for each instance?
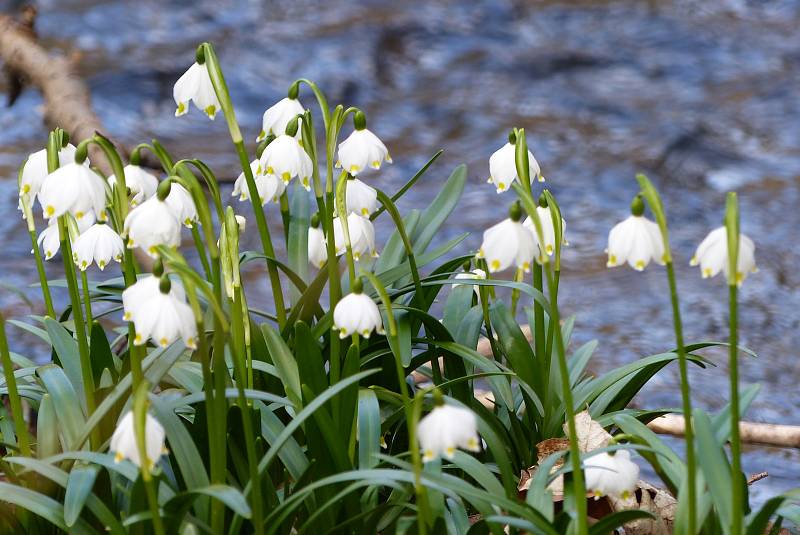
(757, 477)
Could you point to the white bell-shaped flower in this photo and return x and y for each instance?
(446, 428)
(195, 85)
(145, 288)
(475, 274)
(362, 236)
(285, 158)
(182, 205)
(508, 243)
(317, 250)
(35, 169)
(712, 255)
(278, 116)
(548, 232)
(362, 150)
(636, 240)
(99, 244)
(141, 184)
(503, 167)
(123, 441)
(270, 187)
(73, 188)
(163, 318)
(356, 313)
(361, 198)
(150, 224)
(49, 241)
(611, 474)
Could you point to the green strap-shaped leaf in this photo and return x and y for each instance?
(71, 419)
(79, 486)
(42, 506)
(284, 363)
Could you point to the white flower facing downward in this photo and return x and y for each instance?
(362, 150)
(712, 255)
(446, 428)
(361, 199)
(362, 236)
(49, 240)
(548, 232)
(475, 274)
(73, 188)
(508, 243)
(278, 116)
(145, 288)
(123, 441)
(317, 251)
(141, 184)
(637, 241)
(150, 224)
(195, 85)
(503, 167)
(182, 205)
(356, 313)
(35, 169)
(269, 187)
(611, 475)
(99, 244)
(285, 158)
(162, 317)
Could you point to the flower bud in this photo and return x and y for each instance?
(512, 137)
(515, 212)
(291, 127)
(263, 144)
(438, 399)
(163, 189)
(81, 153)
(358, 286)
(359, 120)
(200, 54)
(315, 221)
(637, 206)
(294, 90)
(543, 200)
(164, 284)
(158, 267)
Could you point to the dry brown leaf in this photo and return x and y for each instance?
(591, 435)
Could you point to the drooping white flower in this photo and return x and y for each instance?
(361, 150)
(145, 288)
(446, 428)
(123, 441)
(270, 187)
(475, 274)
(285, 158)
(141, 184)
(503, 167)
(35, 169)
(361, 198)
(636, 240)
(712, 255)
(150, 224)
(48, 240)
(99, 244)
(508, 243)
(362, 236)
(317, 251)
(611, 475)
(195, 85)
(548, 232)
(182, 205)
(162, 317)
(73, 188)
(356, 313)
(278, 116)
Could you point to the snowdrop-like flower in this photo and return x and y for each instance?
(508, 243)
(611, 474)
(195, 85)
(285, 158)
(145, 288)
(362, 236)
(162, 317)
(35, 169)
(712, 255)
(361, 199)
(100, 244)
(636, 240)
(49, 240)
(356, 313)
(548, 232)
(317, 251)
(150, 224)
(73, 188)
(278, 116)
(503, 166)
(362, 149)
(141, 184)
(123, 441)
(446, 428)
(182, 205)
(270, 187)
(475, 274)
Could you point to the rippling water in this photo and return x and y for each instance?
(703, 96)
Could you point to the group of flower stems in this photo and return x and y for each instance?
(511, 168)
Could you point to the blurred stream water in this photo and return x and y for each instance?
(703, 96)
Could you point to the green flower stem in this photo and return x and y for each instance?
(654, 201)
(87, 302)
(140, 402)
(341, 208)
(310, 145)
(539, 341)
(285, 217)
(201, 252)
(321, 100)
(48, 300)
(20, 425)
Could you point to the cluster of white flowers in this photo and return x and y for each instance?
(159, 312)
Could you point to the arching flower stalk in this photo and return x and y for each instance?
(362, 149)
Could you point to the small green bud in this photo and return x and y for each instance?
(637, 205)
(294, 90)
(81, 153)
(358, 286)
(360, 120)
(158, 267)
(291, 126)
(64, 138)
(515, 212)
(136, 157)
(315, 221)
(542, 200)
(164, 285)
(163, 189)
(438, 399)
(200, 54)
(512, 137)
(263, 145)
